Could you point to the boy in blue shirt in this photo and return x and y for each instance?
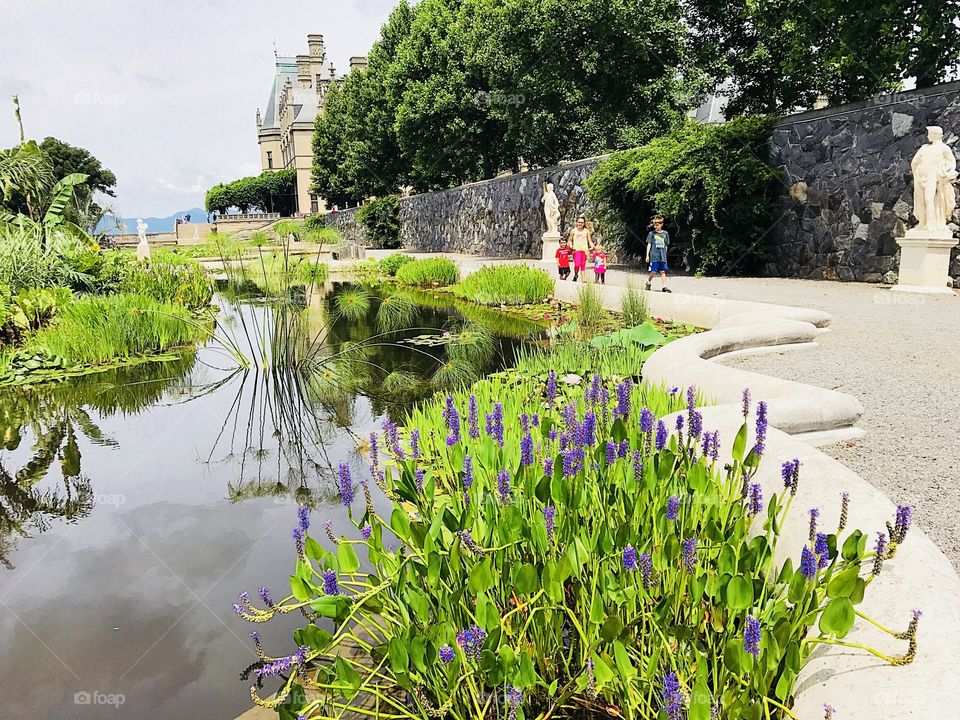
(658, 240)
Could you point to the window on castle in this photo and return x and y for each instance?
(269, 160)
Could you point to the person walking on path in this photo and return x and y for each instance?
(582, 242)
(658, 240)
(563, 254)
(599, 264)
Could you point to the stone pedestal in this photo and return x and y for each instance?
(551, 242)
(925, 261)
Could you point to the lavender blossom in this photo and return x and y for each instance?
(418, 476)
(746, 403)
(473, 418)
(624, 393)
(303, 516)
(696, 425)
(467, 539)
(346, 485)
(881, 550)
(680, 422)
(808, 563)
(330, 586)
(647, 419)
(661, 435)
(446, 654)
(588, 431)
(758, 447)
(467, 472)
(646, 569)
(266, 598)
(526, 450)
(374, 454)
(415, 444)
(637, 466)
(751, 637)
(514, 699)
(503, 485)
(551, 387)
(549, 521)
(452, 418)
(299, 543)
(525, 422)
(535, 420)
(495, 424)
(366, 531)
(902, 524)
(756, 499)
(471, 641)
(673, 508)
(611, 452)
(623, 449)
(689, 554)
(814, 514)
(821, 548)
(672, 697)
(548, 466)
(691, 403)
(630, 559)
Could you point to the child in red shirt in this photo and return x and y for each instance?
(564, 254)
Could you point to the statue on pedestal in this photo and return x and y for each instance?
(143, 247)
(551, 210)
(934, 171)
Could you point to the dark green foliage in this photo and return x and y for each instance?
(271, 191)
(428, 271)
(782, 55)
(711, 182)
(381, 218)
(392, 263)
(175, 281)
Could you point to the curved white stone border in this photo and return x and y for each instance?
(857, 684)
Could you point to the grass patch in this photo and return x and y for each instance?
(633, 307)
(96, 330)
(505, 285)
(428, 271)
(392, 263)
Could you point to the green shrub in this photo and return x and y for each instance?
(94, 330)
(633, 307)
(709, 180)
(589, 313)
(390, 264)
(179, 282)
(33, 308)
(429, 271)
(381, 218)
(26, 263)
(505, 285)
(582, 558)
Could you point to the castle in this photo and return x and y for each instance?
(285, 129)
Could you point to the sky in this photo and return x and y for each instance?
(162, 92)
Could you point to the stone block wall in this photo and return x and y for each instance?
(502, 217)
(849, 189)
(345, 223)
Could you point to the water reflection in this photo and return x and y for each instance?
(205, 463)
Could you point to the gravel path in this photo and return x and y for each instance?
(899, 354)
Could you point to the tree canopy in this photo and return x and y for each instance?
(271, 191)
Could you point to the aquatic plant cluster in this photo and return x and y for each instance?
(565, 548)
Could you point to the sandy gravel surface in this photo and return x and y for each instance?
(900, 355)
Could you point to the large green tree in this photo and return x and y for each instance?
(781, 55)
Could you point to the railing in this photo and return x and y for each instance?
(247, 216)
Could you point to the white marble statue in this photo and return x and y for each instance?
(143, 247)
(934, 171)
(551, 210)
(196, 233)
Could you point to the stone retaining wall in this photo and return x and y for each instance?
(849, 187)
(502, 217)
(345, 223)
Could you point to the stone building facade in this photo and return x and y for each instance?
(848, 191)
(285, 129)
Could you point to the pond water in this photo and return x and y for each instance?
(136, 504)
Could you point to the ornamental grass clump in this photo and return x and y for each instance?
(569, 556)
(437, 271)
(505, 285)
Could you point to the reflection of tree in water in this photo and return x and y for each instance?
(53, 417)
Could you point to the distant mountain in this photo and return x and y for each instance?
(154, 224)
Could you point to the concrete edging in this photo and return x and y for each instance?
(857, 684)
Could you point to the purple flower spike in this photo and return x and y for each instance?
(446, 654)
(346, 485)
(452, 418)
(330, 586)
(303, 516)
(672, 697)
(495, 424)
(418, 476)
(758, 448)
(473, 418)
(624, 393)
(661, 435)
(696, 425)
(299, 543)
(673, 508)
(902, 523)
(548, 466)
(551, 387)
(266, 598)
(514, 700)
(549, 521)
(814, 514)
(808, 563)
(689, 554)
(746, 403)
(366, 531)
(756, 499)
(821, 549)
(646, 568)
(471, 641)
(881, 550)
(503, 485)
(611, 452)
(467, 472)
(630, 559)
(646, 420)
(526, 450)
(415, 444)
(751, 637)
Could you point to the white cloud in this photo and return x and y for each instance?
(165, 96)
